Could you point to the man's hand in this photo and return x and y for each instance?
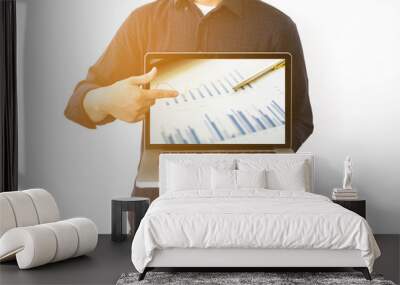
(124, 100)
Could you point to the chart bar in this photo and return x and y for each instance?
(237, 125)
(247, 121)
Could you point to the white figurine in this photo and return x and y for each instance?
(348, 173)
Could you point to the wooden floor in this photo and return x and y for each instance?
(110, 260)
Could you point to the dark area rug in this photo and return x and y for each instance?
(244, 278)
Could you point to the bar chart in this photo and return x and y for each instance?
(209, 111)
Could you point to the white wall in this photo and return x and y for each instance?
(351, 52)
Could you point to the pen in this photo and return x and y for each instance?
(263, 72)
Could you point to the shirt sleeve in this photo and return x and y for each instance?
(122, 58)
(302, 117)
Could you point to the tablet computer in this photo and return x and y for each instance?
(226, 101)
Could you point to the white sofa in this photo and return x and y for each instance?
(32, 233)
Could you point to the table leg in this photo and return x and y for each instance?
(116, 221)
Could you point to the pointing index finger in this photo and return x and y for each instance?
(160, 93)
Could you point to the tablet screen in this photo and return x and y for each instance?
(221, 101)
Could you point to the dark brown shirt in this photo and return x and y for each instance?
(178, 25)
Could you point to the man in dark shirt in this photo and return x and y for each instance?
(111, 89)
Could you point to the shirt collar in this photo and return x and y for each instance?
(236, 6)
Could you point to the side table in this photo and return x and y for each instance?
(138, 205)
(357, 206)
